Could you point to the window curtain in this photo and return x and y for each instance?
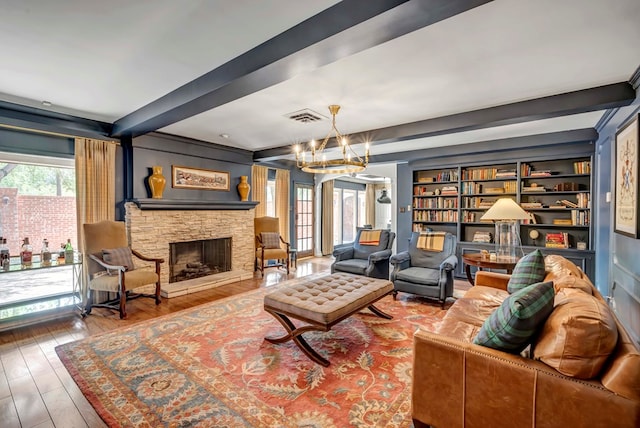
(370, 205)
(282, 202)
(327, 218)
(259, 176)
(95, 190)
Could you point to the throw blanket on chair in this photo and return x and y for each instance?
(370, 237)
(431, 241)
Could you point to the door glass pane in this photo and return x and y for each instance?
(349, 220)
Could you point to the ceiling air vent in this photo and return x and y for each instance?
(305, 116)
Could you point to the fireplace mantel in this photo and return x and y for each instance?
(191, 204)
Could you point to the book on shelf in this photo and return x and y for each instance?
(484, 237)
(531, 205)
(567, 203)
(540, 173)
(563, 221)
(531, 220)
(582, 167)
(506, 173)
(449, 190)
(533, 189)
(493, 190)
(557, 240)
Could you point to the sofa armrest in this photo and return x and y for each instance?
(344, 253)
(492, 279)
(400, 258)
(379, 256)
(449, 263)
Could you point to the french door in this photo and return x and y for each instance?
(304, 219)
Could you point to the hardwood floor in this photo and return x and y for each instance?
(37, 391)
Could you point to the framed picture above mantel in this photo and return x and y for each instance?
(184, 177)
(627, 187)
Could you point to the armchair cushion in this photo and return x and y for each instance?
(134, 279)
(529, 270)
(119, 257)
(418, 275)
(270, 239)
(355, 266)
(510, 327)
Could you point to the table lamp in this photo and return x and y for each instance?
(505, 212)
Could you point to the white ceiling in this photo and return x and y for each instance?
(105, 59)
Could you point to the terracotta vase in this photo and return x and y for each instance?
(243, 188)
(157, 182)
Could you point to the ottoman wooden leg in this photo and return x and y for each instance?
(295, 334)
(379, 313)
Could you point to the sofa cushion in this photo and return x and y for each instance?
(573, 282)
(511, 327)
(529, 270)
(578, 336)
(355, 266)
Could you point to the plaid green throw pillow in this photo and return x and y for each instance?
(118, 257)
(528, 270)
(510, 327)
(270, 239)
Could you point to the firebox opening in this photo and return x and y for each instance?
(194, 259)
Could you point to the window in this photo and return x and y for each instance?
(37, 201)
(348, 214)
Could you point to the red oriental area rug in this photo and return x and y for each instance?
(209, 366)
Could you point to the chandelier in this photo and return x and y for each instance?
(351, 162)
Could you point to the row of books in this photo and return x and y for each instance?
(451, 175)
(435, 203)
(478, 203)
(487, 173)
(472, 188)
(583, 167)
(448, 216)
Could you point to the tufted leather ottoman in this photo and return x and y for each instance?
(321, 303)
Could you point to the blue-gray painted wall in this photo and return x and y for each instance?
(616, 254)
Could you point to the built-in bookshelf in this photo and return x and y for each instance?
(556, 194)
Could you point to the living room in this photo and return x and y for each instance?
(474, 84)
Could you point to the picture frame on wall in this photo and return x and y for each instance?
(184, 177)
(627, 187)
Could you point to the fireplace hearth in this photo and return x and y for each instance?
(198, 258)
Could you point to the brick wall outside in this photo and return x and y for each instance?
(37, 217)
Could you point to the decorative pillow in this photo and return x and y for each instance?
(270, 239)
(529, 270)
(118, 257)
(578, 336)
(511, 327)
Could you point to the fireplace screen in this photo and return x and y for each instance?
(193, 259)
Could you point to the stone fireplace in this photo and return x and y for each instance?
(151, 231)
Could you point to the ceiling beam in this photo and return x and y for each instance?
(337, 32)
(582, 101)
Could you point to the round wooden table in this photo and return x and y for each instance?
(476, 259)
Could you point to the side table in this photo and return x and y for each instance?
(476, 259)
(293, 258)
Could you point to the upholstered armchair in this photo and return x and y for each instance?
(269, 244)
(111, 267)
(368, 256)
(426, 269)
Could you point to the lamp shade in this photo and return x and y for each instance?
(505, 209)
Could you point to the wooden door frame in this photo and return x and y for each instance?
(309, 252)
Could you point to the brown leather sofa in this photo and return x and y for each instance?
(459, 384)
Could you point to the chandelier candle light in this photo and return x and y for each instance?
(350, 162)
(506, 213)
